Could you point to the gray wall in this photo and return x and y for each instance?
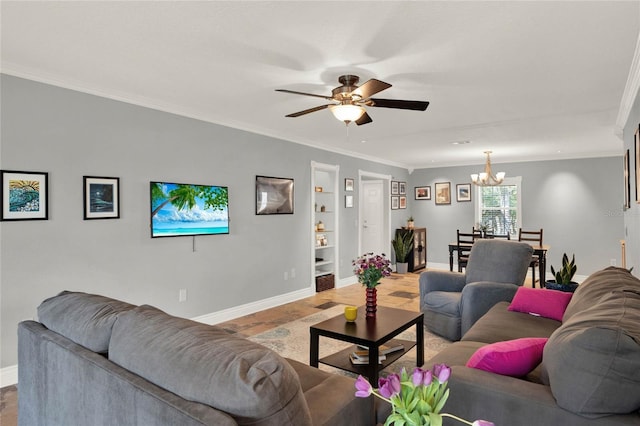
(70, 134)
(577, 202)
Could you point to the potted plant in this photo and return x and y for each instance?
(410, 222)
(563, 277)
(402, 245)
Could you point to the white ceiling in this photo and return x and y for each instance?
(528, 80)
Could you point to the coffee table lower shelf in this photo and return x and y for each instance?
(341, 359)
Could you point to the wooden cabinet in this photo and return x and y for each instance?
(418, 256)
(324, 224)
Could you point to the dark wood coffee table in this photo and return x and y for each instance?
(373, 333)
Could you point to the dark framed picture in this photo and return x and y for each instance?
(463, 192)
(348, 201)
(348, 184)
(443, 193)
(394, 187)
(101, 197)
(24, 195)
(274, 195)
(395, 202)
(637, 165)
(422, 192)
(627, 185)
(403, 202)
(402, 188)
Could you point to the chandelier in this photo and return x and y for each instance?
(487, 178)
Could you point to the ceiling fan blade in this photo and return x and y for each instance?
(370, 88)
(397, 103)
(307, 111)
(364, 119)
(303, 93)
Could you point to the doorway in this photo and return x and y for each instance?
(373, 215)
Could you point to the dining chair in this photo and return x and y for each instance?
(535, 239)
(465, 242)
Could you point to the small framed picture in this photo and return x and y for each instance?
(101, 197)
(395, 202)
(274, 195)
(394, 187)
(348, 184)
(402, 188)
(463, 192)
(403, 202)
(24, 195)
(348, 201)
(422, 192)
(443, 193)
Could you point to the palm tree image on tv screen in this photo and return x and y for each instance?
(184, 209)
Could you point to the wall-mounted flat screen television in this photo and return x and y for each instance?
(183, 209)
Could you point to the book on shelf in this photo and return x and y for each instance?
(363, 360)
(384, 349)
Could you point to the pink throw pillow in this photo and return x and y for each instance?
(514, 358)
(541, 302)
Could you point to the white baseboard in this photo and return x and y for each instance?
(253, 307)
(8, 376)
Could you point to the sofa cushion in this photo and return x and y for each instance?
(597, 285)
(541, 302)
(86, 319)
(593, 359)
(206, 364)
(510, 358)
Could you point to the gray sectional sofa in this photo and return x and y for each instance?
(590, 370)
(92, 360)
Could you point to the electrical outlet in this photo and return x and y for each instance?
(182, 295)
(613, 262)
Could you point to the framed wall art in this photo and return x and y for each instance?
(348, 184)
(627, 184)
(24, 195)
(394, 187)
(422, 192)
(637, 165)
(443, 193)
(348, 201)
(395, 202)
(274, 195)
(101, 197)
(403, 202)
(402, 188)
(463, 192)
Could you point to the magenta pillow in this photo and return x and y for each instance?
(514, 358)
(541, 302)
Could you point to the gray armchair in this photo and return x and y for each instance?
(452, 302)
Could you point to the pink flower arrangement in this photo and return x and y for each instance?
(370, 268)
(415, 400)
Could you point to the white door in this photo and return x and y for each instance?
(372, 236)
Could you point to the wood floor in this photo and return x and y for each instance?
(397, 291)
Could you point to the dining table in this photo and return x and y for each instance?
(538, 250)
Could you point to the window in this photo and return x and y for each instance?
(499, 207)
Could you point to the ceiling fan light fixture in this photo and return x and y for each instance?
(347, 112)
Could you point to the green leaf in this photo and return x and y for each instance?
(435, 419)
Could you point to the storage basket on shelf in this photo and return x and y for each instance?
(324, 282)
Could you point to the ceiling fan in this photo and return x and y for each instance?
(350, 100)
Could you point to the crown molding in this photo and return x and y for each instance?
(630, 92)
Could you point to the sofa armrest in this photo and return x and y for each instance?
(477, 394)
(479, 297)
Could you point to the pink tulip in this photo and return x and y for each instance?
(442, 372)
(389, 386)
(482, 423)
(363, 387)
